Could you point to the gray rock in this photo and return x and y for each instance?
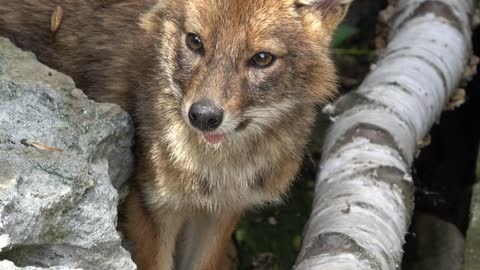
(438, 245)
(62, 157)
(472, 246)
(8, 265)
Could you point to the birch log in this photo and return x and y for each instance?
(364, 192)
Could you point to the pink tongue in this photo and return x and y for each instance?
(213, 138)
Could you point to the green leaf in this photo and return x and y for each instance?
(343, 33)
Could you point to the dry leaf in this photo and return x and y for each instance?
(471, 68)
(457, 99)
(426, 141)
(56, 19)
(45, 147)
(422, 143)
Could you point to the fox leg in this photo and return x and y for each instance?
(153, 237)
(204, 241)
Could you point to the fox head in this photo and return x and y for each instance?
(234, 68)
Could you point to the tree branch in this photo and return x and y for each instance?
(364, 193)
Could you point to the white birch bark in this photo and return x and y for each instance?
(364, 193)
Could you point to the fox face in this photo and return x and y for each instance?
(237, 66)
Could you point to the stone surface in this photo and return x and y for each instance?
(438, 245)
(61, 158)
(472, 245)
(7, 265)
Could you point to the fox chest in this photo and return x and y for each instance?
(216, 188)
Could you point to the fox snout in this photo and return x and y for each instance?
(205, 115)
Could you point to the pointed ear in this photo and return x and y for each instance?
(328, 12)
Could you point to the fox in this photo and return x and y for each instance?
(222, 93)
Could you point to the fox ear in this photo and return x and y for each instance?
(329, 12)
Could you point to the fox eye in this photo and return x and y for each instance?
(263, 60)
(194, 42)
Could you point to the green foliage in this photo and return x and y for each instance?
(343, 34)
(271, 238)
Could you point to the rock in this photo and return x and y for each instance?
(438, 245)
(7, 265)
(472, 246)
(62, 157)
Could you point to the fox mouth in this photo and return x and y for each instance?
(213, 138)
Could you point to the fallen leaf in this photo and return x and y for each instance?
(45, 147)
(56, 19)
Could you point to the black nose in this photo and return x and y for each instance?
(205, 116)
